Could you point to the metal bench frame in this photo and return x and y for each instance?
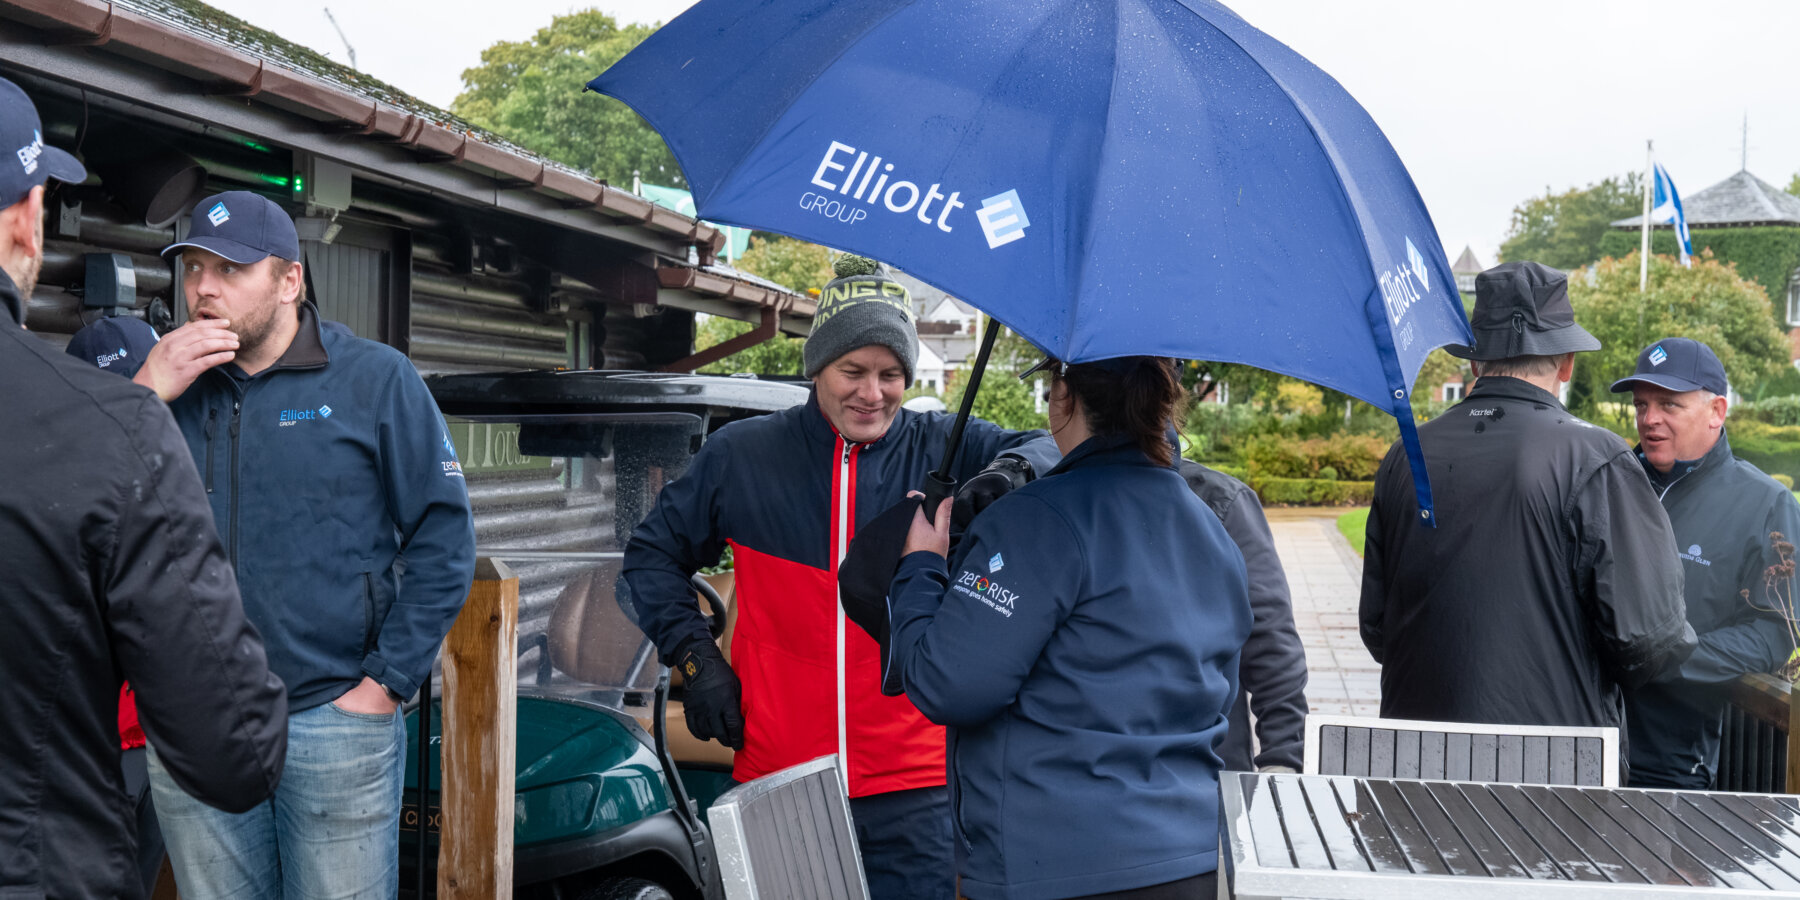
(1609, 738)
(732, 840)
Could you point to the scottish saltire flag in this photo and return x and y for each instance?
(1668, 209)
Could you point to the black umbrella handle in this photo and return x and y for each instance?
(939, 484)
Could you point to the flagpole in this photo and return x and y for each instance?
(1644, 245)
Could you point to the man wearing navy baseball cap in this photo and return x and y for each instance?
(1724, 511)
(26, 163)
(110, 569)
(330, 472)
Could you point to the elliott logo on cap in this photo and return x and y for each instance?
(218, 215)
(1657, 356)
(28, 154)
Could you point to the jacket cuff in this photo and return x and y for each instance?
(388, 676)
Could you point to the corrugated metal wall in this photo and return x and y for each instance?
(350, 284)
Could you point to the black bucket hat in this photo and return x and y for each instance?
(1522, 309)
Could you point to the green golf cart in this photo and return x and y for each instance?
(610, 786)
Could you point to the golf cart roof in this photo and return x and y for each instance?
(714, 397)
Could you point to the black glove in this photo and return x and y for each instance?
(999, 478)
(714, 698)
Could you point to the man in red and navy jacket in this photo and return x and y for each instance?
(787, 492)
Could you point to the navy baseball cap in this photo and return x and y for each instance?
(25, 160)
(1677, 364)
(243, 227)
(116, 344)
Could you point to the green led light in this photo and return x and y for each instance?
(299, 184)
(275, 180)
(256, 146)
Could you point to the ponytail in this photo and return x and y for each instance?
(1138, 396)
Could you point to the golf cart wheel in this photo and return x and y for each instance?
(625, 889)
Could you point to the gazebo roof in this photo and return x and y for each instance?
(1466, 264)
(1742, 199)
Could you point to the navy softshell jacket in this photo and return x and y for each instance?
(1082, 646)
(1724, 511)
(329, 474)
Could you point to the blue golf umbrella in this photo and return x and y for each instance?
(1105, 177)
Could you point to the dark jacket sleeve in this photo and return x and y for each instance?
(1761, 642)
(1273, 664)
(982, 441)
(962, 662)
(206, 697)
(679, 536)
(1374, 590)
(1628, 574)
(429, 503)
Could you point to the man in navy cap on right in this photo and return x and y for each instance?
(1725, 512)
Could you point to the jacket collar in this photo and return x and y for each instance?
(10, 301)
(1509, 388)
(1100, 450)
(816, 425)
(1719, 455)
(305, 351)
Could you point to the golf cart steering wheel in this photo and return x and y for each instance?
(715, 622)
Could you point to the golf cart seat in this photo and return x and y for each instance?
(1460, 751)
(585, 637)
(788, 835)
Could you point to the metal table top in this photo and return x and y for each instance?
(1350, 838)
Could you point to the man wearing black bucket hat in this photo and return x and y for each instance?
(1547, 585)
(1730, 523)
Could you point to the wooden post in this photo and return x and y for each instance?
(475, 852)
(1793, 745)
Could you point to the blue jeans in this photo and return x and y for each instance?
(331, 832)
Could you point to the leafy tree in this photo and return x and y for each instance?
(531, 92)
(788, 261)
(1002, 399)
(1794, 185)
(1710, 303)
(780, 355)
(1563, 230)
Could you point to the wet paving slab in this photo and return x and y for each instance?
(1325, 579)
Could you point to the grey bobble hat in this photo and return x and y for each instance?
(862, 306)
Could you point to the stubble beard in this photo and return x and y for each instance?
(254, 332)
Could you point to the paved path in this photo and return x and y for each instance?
(1325, 576)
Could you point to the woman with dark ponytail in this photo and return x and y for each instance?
(1082, 646)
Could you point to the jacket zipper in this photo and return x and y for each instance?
(237, 407)
(211, 432)
(843, 540)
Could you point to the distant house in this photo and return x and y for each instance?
(1743, 220)
(1465, 269)
(929, 372)
(948, 327)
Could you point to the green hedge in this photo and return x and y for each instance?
(1767, 256)
(1772, 411)
(1313, 492)
(1775, 449)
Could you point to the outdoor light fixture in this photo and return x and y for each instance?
(323, 229)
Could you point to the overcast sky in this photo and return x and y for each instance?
(1488, 103)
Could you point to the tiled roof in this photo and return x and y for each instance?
(1466, 264)
(1742, 199)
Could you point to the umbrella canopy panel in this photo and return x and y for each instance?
(1106, 177)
